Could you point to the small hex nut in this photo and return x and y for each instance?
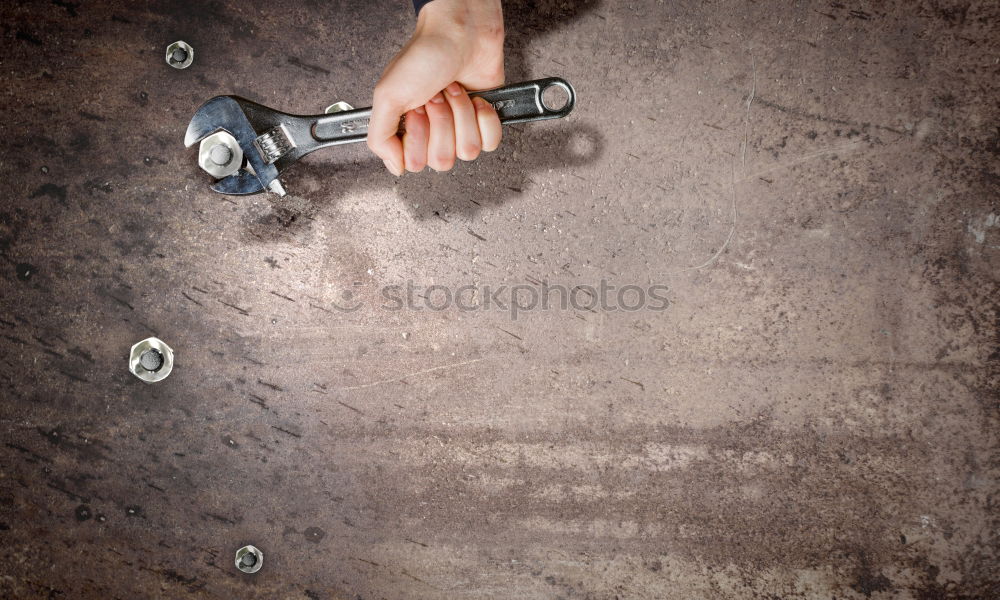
(180, 55)
(337, 107)
(151, 360)
(249, 559)
(208, 155)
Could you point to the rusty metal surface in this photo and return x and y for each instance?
(814, 415)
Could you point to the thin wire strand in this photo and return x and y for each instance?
(732, 173)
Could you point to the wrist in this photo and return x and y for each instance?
(468, 20)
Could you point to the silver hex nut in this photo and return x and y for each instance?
(180, 55)
(337, 107)
(151, 360)
(220, 155)
(249, 559)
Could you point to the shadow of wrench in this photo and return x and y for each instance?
(246, 145)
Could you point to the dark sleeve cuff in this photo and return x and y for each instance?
(418, 4)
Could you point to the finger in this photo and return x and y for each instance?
(441, 144)
(488, 120)
(415, 140)
(467, 142)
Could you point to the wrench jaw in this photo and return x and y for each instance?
(241, 183)
(210, 117)
(233, 115)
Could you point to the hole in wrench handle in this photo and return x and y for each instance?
(522, 102)
(515, 103)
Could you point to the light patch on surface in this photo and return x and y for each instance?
(979, 228)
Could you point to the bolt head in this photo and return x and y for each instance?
(220, 155)
(151, 360)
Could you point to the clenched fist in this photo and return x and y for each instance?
(457, 46)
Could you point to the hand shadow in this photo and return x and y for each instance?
(488, 181)
(492, 179)
(525, 20)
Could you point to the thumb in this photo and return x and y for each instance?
(387, 108)
(382, 128)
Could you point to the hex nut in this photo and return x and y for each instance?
(151, 360)
(337, 107)
(220, 155)
(249, 559)
(180, 55)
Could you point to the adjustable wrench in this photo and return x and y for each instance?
(249, 144)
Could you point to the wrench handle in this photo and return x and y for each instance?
(515, 103)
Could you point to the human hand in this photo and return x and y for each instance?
(457, 45)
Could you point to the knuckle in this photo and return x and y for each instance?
(414, 156)
(377, 147)
(385, 96)
(496, 73)
(469, 151)
(442, 162)
(381, 91)
(492, 33)
(439, 112)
